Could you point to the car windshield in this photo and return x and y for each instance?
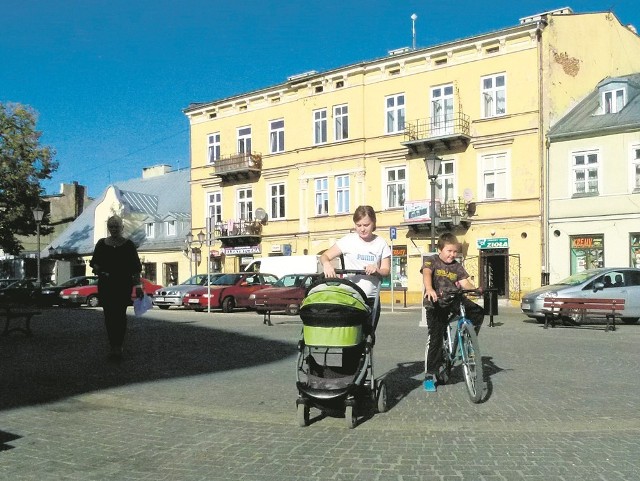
(71, 282)
(580, 277)
(227, 280)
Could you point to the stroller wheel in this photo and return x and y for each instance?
(381, 397)
(303, 415)
(350, 417)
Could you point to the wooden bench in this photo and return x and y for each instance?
(14, 312)
(558, 307)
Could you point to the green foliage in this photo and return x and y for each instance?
(24, 163)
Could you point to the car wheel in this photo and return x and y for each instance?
(292, 309)
(228, 304)
(92, 301)
(163, 307)
(629, 320)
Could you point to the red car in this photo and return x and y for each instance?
(228, 292)
(75, 296)
(285, 295)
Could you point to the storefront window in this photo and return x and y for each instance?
(149, 271)
(587, 252)
(398, 268)
(634, 243)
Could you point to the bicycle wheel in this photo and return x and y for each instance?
(472, 363)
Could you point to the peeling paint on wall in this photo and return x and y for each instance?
(570, 65)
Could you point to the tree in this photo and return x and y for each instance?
(24, 163)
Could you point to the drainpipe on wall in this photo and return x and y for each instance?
(542, 158)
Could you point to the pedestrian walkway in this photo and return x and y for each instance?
(212, 397)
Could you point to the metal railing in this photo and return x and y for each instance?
(239, 162)
(431, 127)
(236, 228)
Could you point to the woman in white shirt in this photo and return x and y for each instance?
(362, 250)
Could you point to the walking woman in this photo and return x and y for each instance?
(116, 263)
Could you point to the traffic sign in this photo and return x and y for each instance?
(392, 233)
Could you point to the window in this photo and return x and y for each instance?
(442, 110)
(585, 173)
(244, 140)
(394, 110)
(494, 96)
(214, 147)
(277, 201)
(342, 194)
(322, 196)
(494, 176)
(244, 203)
(170, 228)
(276, 136)
(396, 184)
(341, 119)
(613, 101)
(149, 230)
(635, 168)
(319, 126)
(445, 182)
(215, 207)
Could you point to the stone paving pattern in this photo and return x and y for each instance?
(212, 397)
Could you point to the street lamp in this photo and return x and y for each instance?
(38, 214)
(433, 163)
(194, 252)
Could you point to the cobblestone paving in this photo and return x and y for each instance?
(212, 397)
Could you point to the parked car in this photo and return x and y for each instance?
(50, 295)
(614, 282)
(229, 291)
(75, 296)
(24, 291)
(285, 295)
(166, 297)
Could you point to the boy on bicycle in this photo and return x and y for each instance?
(442, 272)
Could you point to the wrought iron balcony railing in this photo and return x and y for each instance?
(437, 133)
(239, 165)
(237, 228)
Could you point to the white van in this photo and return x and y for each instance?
(283, 265)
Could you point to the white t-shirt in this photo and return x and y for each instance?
(358, 254)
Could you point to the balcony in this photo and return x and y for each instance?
(437, 134)
(240, 166)
(238, 232)
(448, 216)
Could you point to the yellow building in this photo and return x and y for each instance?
(307, 151)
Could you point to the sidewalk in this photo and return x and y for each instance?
(212, 397)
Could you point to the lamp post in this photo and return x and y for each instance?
(413, 29)
(38, 214)
(433, 163)
(194, 252)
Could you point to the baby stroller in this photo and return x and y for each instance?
(335, 358)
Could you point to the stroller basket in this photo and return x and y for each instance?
(334, 313)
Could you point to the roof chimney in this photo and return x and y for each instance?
(155, 171)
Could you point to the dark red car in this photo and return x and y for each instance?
(228, 292)
(89, 294)
(285, 295)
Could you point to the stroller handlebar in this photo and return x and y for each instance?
(351, 271)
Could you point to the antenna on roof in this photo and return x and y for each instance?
(413, 29)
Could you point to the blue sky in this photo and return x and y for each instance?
(110, 78)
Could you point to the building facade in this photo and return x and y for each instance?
(594, 192)
(280, 170)
(156, 213)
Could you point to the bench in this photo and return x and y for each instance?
(14, 312)
(557, 307)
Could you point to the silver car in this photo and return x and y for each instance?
(605, 283)
(172, 295)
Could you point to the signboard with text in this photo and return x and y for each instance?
(493, 243)
(241, 250)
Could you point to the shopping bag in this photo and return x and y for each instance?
(142, 305)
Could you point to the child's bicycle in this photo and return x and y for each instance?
(461, 345)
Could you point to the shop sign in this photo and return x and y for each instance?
(493, 243)
(419, 210)
(241, 250)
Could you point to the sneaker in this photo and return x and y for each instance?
(429, 383)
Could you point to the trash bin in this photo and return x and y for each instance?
(490, 297)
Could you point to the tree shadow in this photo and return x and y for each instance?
(67, 355)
